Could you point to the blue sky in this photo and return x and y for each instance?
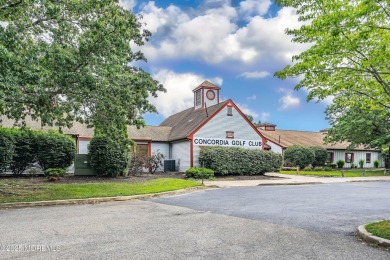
(237, 45)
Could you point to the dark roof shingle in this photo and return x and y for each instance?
(185, 122)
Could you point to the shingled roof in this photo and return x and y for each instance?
(286, 138)
(155, 133)
(77, 129)
(185, 122)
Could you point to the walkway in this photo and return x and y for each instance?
(286, 179)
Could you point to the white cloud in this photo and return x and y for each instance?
(253, 97)
(288, 100)
(179, 87)
(255, 74)
(213, 36)
(264, 116)
(246, 110)
(127, 4)
(254, 7)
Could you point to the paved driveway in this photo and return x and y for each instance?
(267, 222)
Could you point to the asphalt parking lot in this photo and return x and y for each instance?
(265, 222)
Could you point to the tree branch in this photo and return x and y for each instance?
(11, 5)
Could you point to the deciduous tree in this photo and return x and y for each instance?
(349, 51)
(62, 61)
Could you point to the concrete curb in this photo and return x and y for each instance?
(15, 205)
(369, 238)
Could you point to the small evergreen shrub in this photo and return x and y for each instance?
(361, 163)
(7, 148)
(54, 174)
(198, 173)
(332, 165)
(320, 156)
(108, 157)
(340, 164)
(55, 150)
(299, 155)
(376, 163)
(234, 160)
(307, 169)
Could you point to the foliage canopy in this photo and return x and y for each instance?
(62, 61)
(349, 53)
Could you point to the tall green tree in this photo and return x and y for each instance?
(349, 51)
(348, 59)
(63, 60)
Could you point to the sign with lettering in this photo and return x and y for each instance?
(202, 141)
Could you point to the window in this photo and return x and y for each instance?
(197, 98)
(270, 128)
(229, 110)
(368, 157)
(330, 157)
(349, 157)
(229, 134)
(142, 150)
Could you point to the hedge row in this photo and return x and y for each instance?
(21, 148)
(302, 156)
(234, 160)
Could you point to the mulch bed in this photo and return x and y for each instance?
(95, 179)
(137, 178)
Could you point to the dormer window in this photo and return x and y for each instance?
(198, 98)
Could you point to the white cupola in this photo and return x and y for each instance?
(206, 95)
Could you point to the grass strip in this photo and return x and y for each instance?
(380, 229)
(26, 192)
(347, 173)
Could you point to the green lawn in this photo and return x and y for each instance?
(347, 173)
(380, 229)
(18, 191)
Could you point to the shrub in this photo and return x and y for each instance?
(7, 148)
(136, 165)
(320, 156)
(299, 155)
(26, 147)
(154, 162)
(55, 150)
(198, 173)
(307, 169)
(108, 157)
(328, 169)
(361, 163)
(352, 165)
(376, 163)
(332, 165)
(340, 164)
(234, 160)
(53, 174)
(287, 163)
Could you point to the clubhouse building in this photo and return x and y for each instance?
(210, 122)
